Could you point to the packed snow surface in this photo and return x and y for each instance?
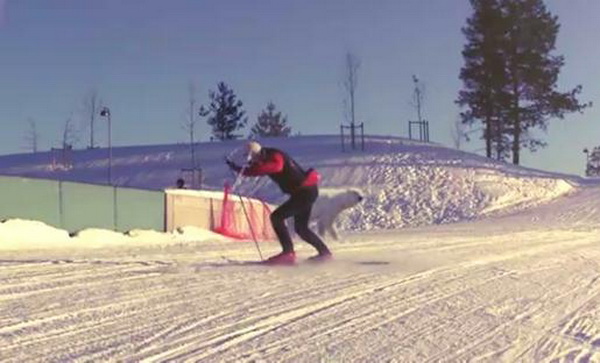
(517, 278)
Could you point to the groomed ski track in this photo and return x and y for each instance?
(522, 287)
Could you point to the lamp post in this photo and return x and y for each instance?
(105, 112)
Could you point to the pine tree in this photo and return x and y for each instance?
(532, 72)
(483, 74)
(510, 74)
(224, 114)
(270, 124)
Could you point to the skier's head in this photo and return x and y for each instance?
(253, 149)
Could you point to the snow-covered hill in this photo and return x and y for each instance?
(405, 183)
(504, 284)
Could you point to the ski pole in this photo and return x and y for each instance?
(251, 228)
(239, 177)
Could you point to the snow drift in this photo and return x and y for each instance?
(405, 183)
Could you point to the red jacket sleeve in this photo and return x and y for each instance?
(265, 167)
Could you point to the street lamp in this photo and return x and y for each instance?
(105, 112)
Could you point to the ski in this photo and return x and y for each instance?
(308, 261)
(234, 261)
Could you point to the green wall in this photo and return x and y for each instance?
(30, 199)
(129, 204)
(75, 206)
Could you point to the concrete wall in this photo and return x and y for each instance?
(204, 209)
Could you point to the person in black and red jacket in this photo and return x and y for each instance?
(301, 185)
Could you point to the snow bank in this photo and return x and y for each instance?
(19, 234)
(505, 193)
(409, 196)
(23, 234)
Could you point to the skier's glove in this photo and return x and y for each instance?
(233, 166)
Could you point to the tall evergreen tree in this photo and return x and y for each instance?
(483, 73)
(510, 74)
(224, 114)
(270, 124)
(532, 72)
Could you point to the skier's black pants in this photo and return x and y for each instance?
(298, 206)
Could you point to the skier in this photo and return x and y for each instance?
(302, 186)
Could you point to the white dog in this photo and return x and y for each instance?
(328, 206)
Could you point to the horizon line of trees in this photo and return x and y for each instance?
(224, 115)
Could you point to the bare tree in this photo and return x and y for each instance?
(32, 136)
(350, 82)
(92, 104)
(190, 122)
(418, 97)
(62, 156)
(458, 133)
(69, 135)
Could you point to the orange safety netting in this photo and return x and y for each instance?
(244, 218)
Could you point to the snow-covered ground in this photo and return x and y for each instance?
(516, 278)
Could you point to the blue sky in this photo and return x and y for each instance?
(141, 55)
